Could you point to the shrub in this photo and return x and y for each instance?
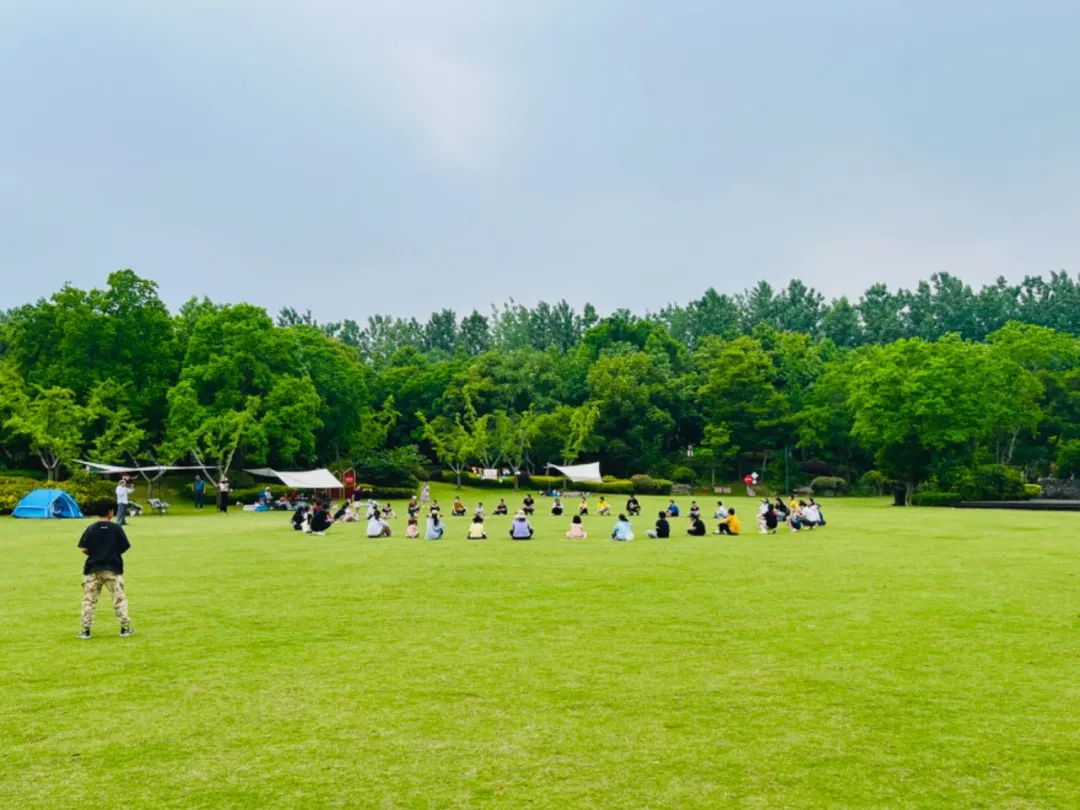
(1068, 459)
(545, 482)
(828, 485)
(990, 482)
(474, 480)
(386, 492)
(1032, 490)
(873, 482)
(683, 475)
(935, 498)
(647, 485)
(613, 487)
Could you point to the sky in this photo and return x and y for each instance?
(355, 158)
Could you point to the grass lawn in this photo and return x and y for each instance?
(898, 657)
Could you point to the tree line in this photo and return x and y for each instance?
(921, 388)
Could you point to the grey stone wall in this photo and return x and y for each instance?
(1060, 488)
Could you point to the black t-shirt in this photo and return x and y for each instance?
(663, 528)
(698, 528)
(106, 543)
(320, 521)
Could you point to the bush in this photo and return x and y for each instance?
(873, 482)
(990, 482)
(1068, 459)
(683, 475)
(474, 480)
(935, 498)
(613, 487)
(545, 482)
(1032, 490)
(828, 485)
(647, 485)
(244, 495)
(386, 492)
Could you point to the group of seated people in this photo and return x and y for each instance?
(797, 515)
(316, 519)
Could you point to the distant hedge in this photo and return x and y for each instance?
(91, 495)
(935, 499)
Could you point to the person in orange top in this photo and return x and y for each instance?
(730, 524)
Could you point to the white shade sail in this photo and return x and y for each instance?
(301, 479)
(581, 472)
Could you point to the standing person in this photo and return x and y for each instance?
(104, 544)
(200, 490)
(123, 490)
(425, 493)
(223, 495)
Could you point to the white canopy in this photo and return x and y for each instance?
(111, 469)
(581, 472)
(303, 479)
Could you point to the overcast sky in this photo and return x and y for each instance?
(398, 157)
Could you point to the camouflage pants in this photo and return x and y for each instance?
(92, 584)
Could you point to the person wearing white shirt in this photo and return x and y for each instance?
(123, 490)
(377, 527)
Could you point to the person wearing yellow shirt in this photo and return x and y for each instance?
(730, 524)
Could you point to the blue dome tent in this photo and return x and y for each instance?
(47, 503)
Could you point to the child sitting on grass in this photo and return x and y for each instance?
(413, 529)
(577, 531)
(476, 528)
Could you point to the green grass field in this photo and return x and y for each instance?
(922, 658)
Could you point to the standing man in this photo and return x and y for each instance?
(223, 495)
(200, 490)
(123, 490)
(104, 544)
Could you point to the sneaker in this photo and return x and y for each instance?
(85, 634)
(126, 631)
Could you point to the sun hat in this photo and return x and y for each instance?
(520, 514)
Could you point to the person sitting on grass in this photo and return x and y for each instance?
(520, 528)
(435, 527)
(633, 508)
(476, 528)
(378, 527)
(457, 508)
(812, 512)
(622, 530)
(557, 507)
(672, 508)
(730, 524)
(528, 505)
(663, 528)
(479, 511)
(720, 512)
(695, 510)
(300, 519)
(412, 530)
(388, 512)
(697, 526)
(414, 507)
(583, 506)
(769, 521)
(319, 521)
(577, 530)
(342, 512)
(501, 508)
(781, 510)
(435, 507)
(603, 507)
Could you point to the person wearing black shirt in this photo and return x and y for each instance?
(299, 516)
(528, 505)
(663, 528)
(697, 527)
(104, 543)
(320, 520)
(633, 507)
